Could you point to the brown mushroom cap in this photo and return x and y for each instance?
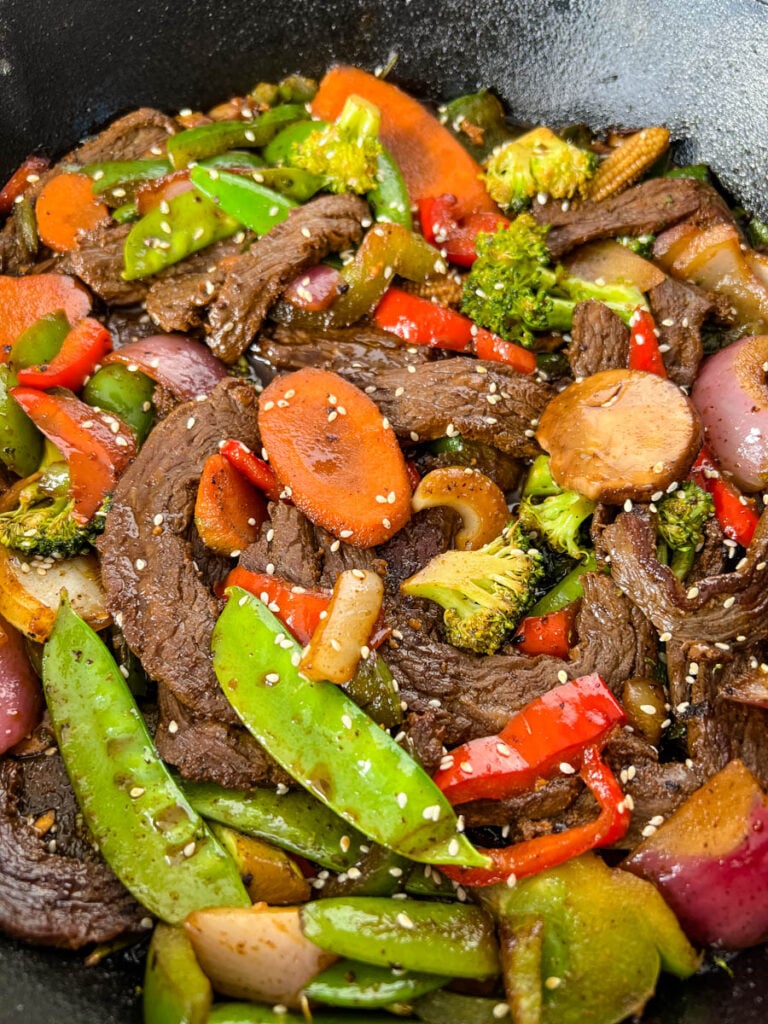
(620, 434)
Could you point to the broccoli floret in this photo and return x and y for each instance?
(484, 593)
(557, 520)
(345, 153)
(680, 523)
(538, 161)
(513, 289)
(640, 244)
(44, 522)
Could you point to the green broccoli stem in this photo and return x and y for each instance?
(360, 118)
(568, 590)
(539, 482)
(682, 562)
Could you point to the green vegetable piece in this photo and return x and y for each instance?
(322, 739)
(389, 198)
(21, 443)
(41, 342)
(452, 940)
(295, 821)
(346, 152)
(148, 833)
(379, 872)
(699, 172)
(423, 881)
(210, 139)
(641, 244)
(540, 483)
(682, 517)
(126, 393)
(252, 1013)
(521, 943)
(441, 1006)
(757, 232)
(175, 989)
(278, 151)
(43, 521)
(373, 689)
(126, 213)
(296, 89)
(557, 520)
(125, 174)
(568, 590)
(292, 182)
(194, 223)
(251, 204)
(25, 221)
(359, 986)
(605, 938)
(479, 123)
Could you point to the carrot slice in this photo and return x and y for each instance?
(330, 445)
(66, 205)
(228, 510)
(430, 158)
(24, 300)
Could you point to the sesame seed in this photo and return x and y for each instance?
(431, 813)
(158, 519)
(552, 982)
(335, 545)
(402, 799)
(281, 789)
(335, 644)
(306, 232)
(346, 721)
(567, 769)
(648, 831)
(140, 564)
(453, 847)
(344, 534)
(657, 820)
(692, 592)
(189, 849)
(562, 676)
(272, 677)
(500, 1010)
(404, 921)
(648, 709)
(665, 637)
(190, 422)
(628, 505)
(136, 792)
(729, 602)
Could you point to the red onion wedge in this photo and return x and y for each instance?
(20, 693)
(731, 396)
(316, 289)
(184, 366)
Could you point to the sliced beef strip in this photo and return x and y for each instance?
(422, 737)
(482, 401)
(256, 279)
(129, 324)
(600, 341)
(427, 534)
(128, 138)
(481, 693)
(679, 311)
(529, 814)
(98, 262)
(50, 899)
(728, 608)
(153, 588)
(643, 209)
(712, 559)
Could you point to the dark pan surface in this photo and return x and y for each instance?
(698, 66)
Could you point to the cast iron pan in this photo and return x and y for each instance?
(697, 66)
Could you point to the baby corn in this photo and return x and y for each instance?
(628, 162)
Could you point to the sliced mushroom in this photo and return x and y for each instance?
(476, 498)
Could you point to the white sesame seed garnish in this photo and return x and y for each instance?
(562, 676)
(272, 677)
(648, 831)
(692, 592)
(501, 1010)
(189, 849)
(567, 769)
(190, 422)
(136, 792)
(648, 709)
(140, 564)
(346, 721)
(402, 799)
(404, 921)
(552, 982)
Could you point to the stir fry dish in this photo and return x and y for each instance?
(383, 560)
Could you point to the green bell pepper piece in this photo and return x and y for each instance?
(21, 443)
(126, 213)
(41, 342)
(148, 833)
(127, 174)
(160, 239)
(360, 986)
(327, 743)
(25, 222)
(175, 989)
(252, 1013)
(521, 944)
(455, 940)
(126, 393)
(390, 201)
(294, 821)
(251, 204)
(441, 1006)
(483, 112)
(373, 689)
(210, 139)
(568, 590)
(603, 942)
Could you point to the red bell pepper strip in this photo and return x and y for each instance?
(455, 237)
(298, 608)
(644, 352)
(492, 347)
(95, 453)
(83, 348)
(547, 634)
(421, 322)
(550, 731)
(736, 515)
(254, 469)
(535, 855)
(414, 476)
(19, 182)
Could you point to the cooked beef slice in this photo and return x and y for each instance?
(427, 534)
(256, 279)
(481, 693)
(679, 311)
(731, 607)
(640, 210)
(98, 262)
(129, 324)
(422, 737)
(153, 587)
(128, 138)
(48, 898)
(600, 341)
(712, 559)
(482, 401)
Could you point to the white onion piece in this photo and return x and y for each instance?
(731, 397)
(184, 366)
(256, 953)
(20, 694)
(609, 261)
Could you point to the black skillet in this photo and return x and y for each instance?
(698, 66)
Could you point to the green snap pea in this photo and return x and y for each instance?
(148, 833)
(126, 393)
(175, 989)
(160, 239)
(379, 872)
(40, 342)
(359, 986)
(455, 940)
(125, 174)
(390, 200)
(252, 1013)
(441, 1006)
(293, 182)
(126, 213)
(327, 743)
(210, 139)
(251, 204)
(294, 821)
(278, 152)
(27, 239)
(479, 123)
(568, 590)
(21, 443)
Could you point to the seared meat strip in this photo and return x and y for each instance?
(98, 262)
(600, 341)
(679, 311)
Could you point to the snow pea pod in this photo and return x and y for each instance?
(441, 1006)
(160, 239)
(390, 200)
(209, 139)
(251, 204)
(294, 182)
(327, 743)
(456, 940)
(148, 833)
(124, 173)
(175, 989)
(278, 152)
(294, 821)
(360, 986)
(252, 1013)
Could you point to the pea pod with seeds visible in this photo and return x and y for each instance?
(251, 204)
